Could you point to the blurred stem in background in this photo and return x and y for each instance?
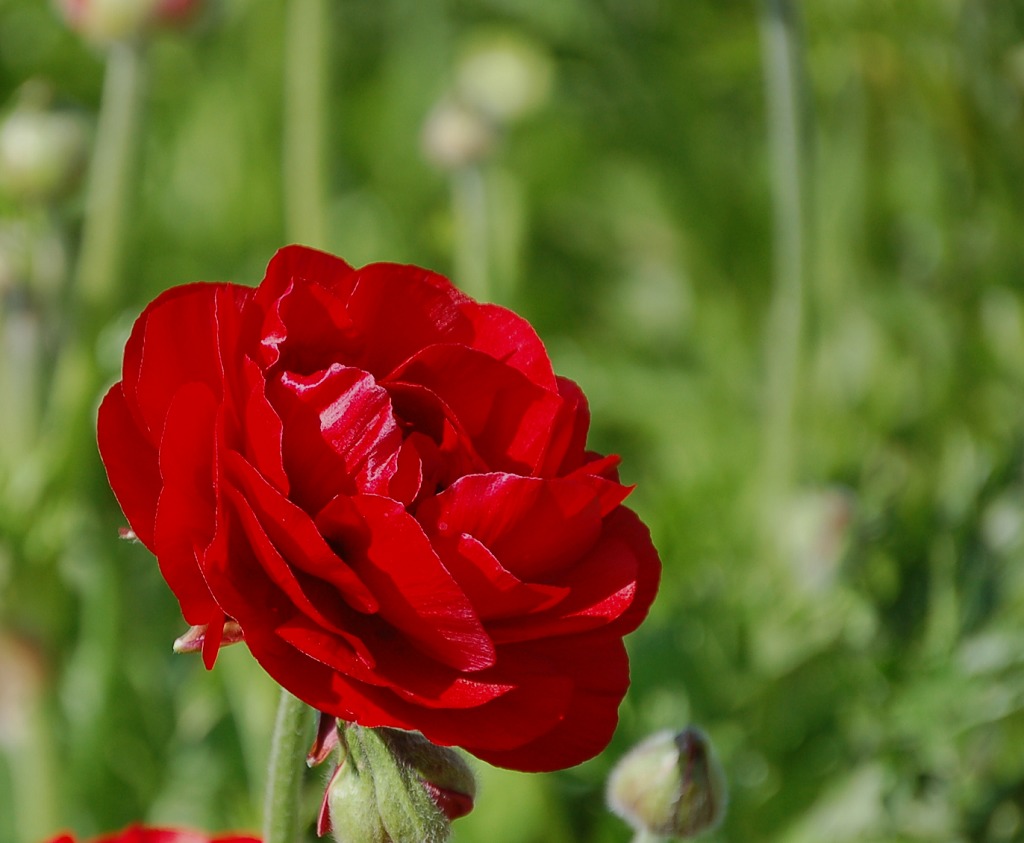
(784, 98)
(49, 457)
(471, 259)
(113, 165)
(305, 104)
(89, 680)
(458, 140)
(97, 278)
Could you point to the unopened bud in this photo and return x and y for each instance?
(456, 135)
(42, 151)
(108, 21)
(388, 786)
(444, 774)
(505, 75)
(670, 785)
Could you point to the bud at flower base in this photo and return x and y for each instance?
(395, 787)
(670, 785)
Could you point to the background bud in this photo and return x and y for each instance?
(107, 21)
(504, 74)
(42, 150)
(670, 785)
(456, 135)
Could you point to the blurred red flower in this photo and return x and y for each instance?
(141, 834)
(384, 487)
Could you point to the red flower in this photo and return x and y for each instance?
(384, 486)
(140, 834)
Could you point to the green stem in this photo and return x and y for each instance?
(643, 836)
(71, 390)
(305, 104)
(284, 777)
(110, 176)
(783, 94)
(469, 207)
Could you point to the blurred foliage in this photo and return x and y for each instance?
(860, 665)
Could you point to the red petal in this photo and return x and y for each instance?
(131, 464)
(402, 670)
(181, 337)
(292, 537)
(407, 481)
(185, 518)
(452, 803)
(325, 741)
(323, 818)
(612, 586)
(599, 669)
(567, 443)
(263, 434)
(508, 337)
(493, 590)
(340, 435)
(398, 310)
(299, 317)
(507, 417)
(388, 549)
(312, 266)
(535, 528)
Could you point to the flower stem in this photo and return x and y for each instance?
(71, 386)
(110, 176)
(472, 257)
(784, 96)
(305, 81)
(284, 777)
(644, 836)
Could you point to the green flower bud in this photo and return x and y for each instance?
(670, 785)
(443, 773)
(388, 785)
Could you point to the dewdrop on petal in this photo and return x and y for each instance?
(670, 785)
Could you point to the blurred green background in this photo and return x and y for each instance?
(793, 298)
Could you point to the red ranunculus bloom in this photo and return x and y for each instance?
(383, 484)
(141, 834)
